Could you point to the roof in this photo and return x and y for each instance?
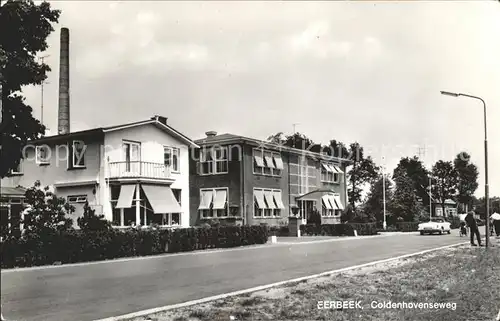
(227, 138)
(448, 201)
(12, 191)
(101, 130)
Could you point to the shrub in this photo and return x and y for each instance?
(339, 229)
(90, 245)
(91, 222)
(407, 226)
(279, 230)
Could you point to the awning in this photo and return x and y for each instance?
(269, 199)
(205, 200)
(278, 161)
(326, 202)
(278, 200)
(220, 199)
(338, 170)
(340, 206)
(269, 161)
(162, 199)
(126, 196)
(334, 204)
(259, 160)
(327, 167)
(259, 197)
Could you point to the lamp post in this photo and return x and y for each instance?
(430, 198)
(486, 188)
(384, 225)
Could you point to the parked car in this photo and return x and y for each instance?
(435, 225)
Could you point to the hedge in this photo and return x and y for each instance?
(346, 229)
(407, 226)
(78, 246)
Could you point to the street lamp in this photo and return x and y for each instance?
(384, 225)
(486, 188)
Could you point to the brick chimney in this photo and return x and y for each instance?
(63, 116)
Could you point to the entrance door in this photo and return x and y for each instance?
(306, 208)
(132, 153)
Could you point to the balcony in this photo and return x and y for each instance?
(138, 170)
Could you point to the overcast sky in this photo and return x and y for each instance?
(353, 71)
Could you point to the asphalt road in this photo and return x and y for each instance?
(90, 292)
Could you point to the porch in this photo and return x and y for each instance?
(146, 205)
(330, 203)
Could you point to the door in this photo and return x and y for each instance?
(132, 156)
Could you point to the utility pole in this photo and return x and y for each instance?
(430, 197)
(42, 58)
(384, 225)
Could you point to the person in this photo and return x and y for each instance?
(463, 229)
(496, 223)
(474, 230)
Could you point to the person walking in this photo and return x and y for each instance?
(474, 230)
(495, 221)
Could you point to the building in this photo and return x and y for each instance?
(450, 207)
(247, 181)
(133, 174)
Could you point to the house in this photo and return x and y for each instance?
(248, 181)
(133, 174)
(450, 207)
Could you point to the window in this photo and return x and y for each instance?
(132, 156)
(330, 173)
(267, 203)
(171, 158)
(76, 157)
(213, 161)
(267, 162)
(42, 155)
(213, 202)
(77, 198)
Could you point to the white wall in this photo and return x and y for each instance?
(152, 140)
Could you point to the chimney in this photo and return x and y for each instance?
(63, 114)
(211, 133)
(160, 119)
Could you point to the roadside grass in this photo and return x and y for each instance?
(469, 277)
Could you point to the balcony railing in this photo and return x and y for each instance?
(138, 169)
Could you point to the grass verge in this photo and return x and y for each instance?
(466, 278)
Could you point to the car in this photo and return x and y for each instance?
(435, 225)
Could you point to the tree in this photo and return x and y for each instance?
(363, 171)
(92, 222)
(414, 169)
(296, 140)
(467, 175)
(45, 211)
(479, 205)
(374, 204)
(404, 204)
(444, 181)
(25, 27)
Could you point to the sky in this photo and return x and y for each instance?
(360, 71)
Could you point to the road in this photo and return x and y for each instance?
(94, 291)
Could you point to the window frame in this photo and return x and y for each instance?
(215, 213)
(172, 150)
(275, 213)
(78, 199)
(328, 176)
(271, 171)
(71, 163)
(38, 159)
(213, 161)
